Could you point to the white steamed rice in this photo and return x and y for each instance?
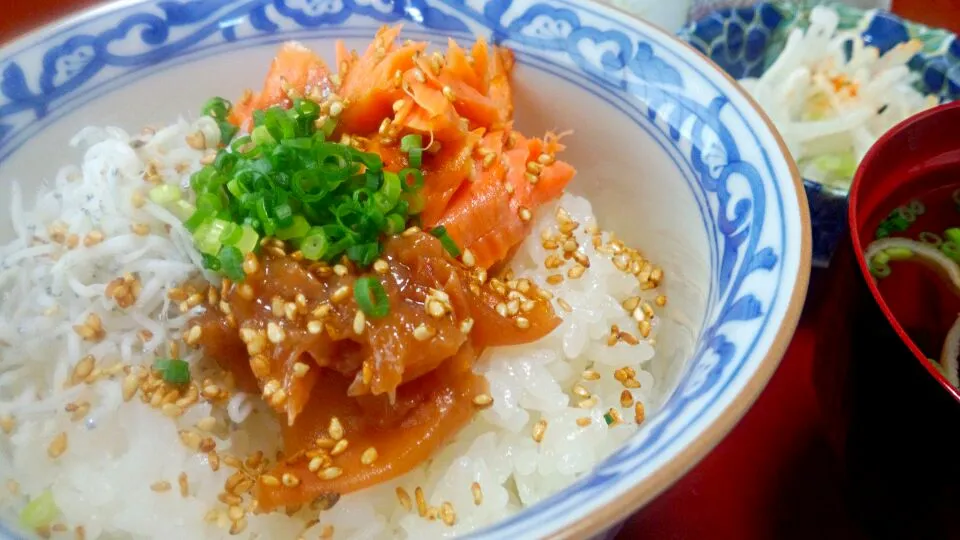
(116, 451)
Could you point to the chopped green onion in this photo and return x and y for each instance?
(248, 240)
(219, 109)
(415, 202)
(608, 418)
(415, 157)
(410, 142)
(364, 254)
(906, 214)
(879, 270)
(930, 238)
(951, 250)
(417, 179)
(298, 229)
(395, 224)
(376, 307)
(917, 207)
(173, 370)
(898, 253)
(261, 136)
(210, 262)
(182, 209)
(40, 511)
(953, 235)
(447, 242)
(314, 247)
(231, 262)
(285, 179)
(165, 194)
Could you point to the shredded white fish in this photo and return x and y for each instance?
(831, 108)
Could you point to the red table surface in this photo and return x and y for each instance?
(774, 476)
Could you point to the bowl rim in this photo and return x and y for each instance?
(853, 223)
(616, 511)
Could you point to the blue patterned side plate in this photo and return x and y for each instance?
(671, 153)
(745, 39)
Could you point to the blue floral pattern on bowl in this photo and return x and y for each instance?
(750, 211)
(744, 40)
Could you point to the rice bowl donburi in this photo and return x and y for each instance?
(312, 311)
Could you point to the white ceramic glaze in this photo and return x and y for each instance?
(672, 154)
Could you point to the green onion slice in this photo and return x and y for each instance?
(173, 370)
(415, 157)
(40, 511)
(231, 262)
(379, 304)
(165, 194)
(953, 235)
(411, 142)
(447, 242)
(405, 175)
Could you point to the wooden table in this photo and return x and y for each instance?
(774, 475)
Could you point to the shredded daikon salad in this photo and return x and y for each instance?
(830, 107)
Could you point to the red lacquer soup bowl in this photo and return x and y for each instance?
(892, 411)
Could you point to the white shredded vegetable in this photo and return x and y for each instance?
(830, 108)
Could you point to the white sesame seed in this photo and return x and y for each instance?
(250, 264)
(335, 429)
(404, 498)
(340, 447)
(171, 410)
(423, 332)
(207, 424)
(436, 309)
(57, 446)
(269, 480)
(7, 423)
(447, 514)
(359, 322)
(160, 487)
(290, 480)
(477, 493)
(314, 327)
(380, 266)
(274, 333)
(300, 369)
(369, 456)
(539, 429)
(468, 258)
(340, 294)
(466, 325)
(483, 400)
(330, 473)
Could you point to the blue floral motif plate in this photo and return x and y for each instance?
(745, 39)
(671, 154)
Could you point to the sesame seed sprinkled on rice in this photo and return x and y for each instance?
(404, 498)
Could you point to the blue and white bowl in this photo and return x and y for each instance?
(670, 151)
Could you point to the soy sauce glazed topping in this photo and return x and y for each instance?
(344, 378)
